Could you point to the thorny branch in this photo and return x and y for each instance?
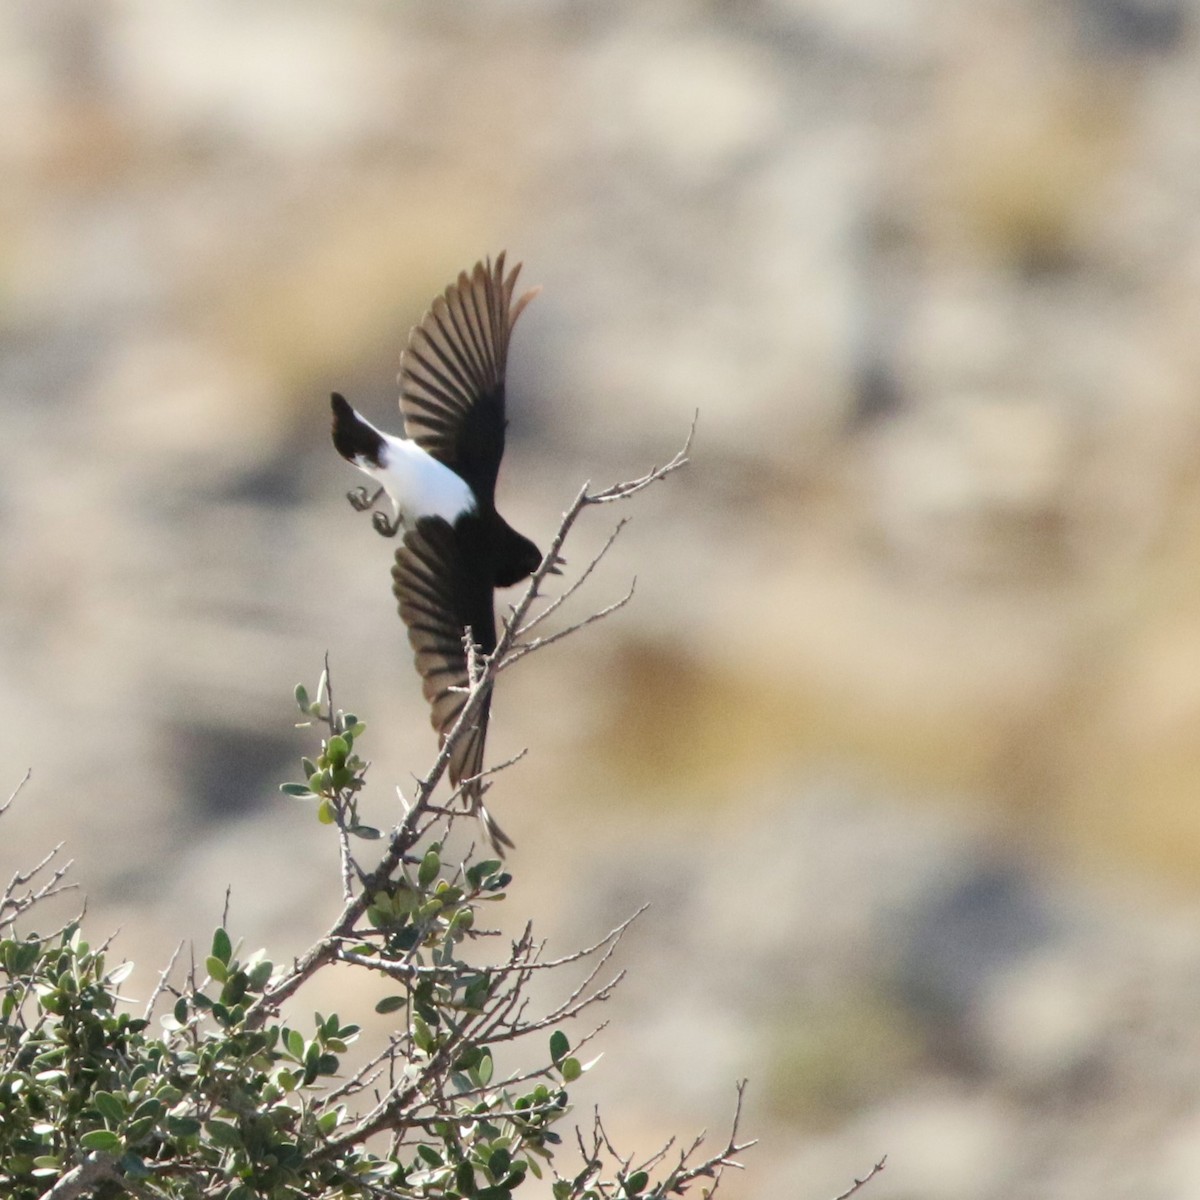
(685, 1172)
(485, 669)
(418, 1087)
(18, 897)
(82, 1179)
(861, 1183)
(14, 793)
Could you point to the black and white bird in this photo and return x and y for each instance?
(441, 481)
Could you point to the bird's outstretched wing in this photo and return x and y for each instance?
(452, 373)
(439, 598)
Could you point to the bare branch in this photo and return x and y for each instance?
(160, 986)
(82, 1179)
(482, 675)
(622, 491)
(518, 652)
(558, 601)
(484, 774)
(20, 878)
(13, 905)
(860, 1183)
(15, 792)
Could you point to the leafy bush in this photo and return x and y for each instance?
(213, 1092)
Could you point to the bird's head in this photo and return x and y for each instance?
(522, 558)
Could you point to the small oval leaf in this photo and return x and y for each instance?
(559, 1046)
(222, 948)
(431, 864)
(103, 1140)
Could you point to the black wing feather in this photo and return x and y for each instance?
(452, 374)
(440, 596)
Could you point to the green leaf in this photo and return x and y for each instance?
(464, 1178)
(135, 1131)
(468, 1057)
(295, 1043)
(103, 1140)
(216, 968)
(336, 750)
(301, 695)
(118, 975)
(109, 1107)
(325, 813)
(571, 1070)
(221, 946)
(636, 1182)
(390, 1004)
(152, 1108)
(234, 991)
(300, 790)
(430, 1155)
(485, 1069)
(421, 1034)
(183, 1127)
(559, 1046)
(181, 1010)
(224, 1133)
(431, 864)
(367, 832)
(260, 974)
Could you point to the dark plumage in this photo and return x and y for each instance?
(454, 554)
(353, 438)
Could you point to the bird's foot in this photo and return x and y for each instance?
(384, 526)
(360, 501)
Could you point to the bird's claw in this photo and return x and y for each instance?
(360, 501)
(384, 526)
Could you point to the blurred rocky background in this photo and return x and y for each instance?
(901, 734)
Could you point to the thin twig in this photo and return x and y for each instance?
(406, 833)
(15, 792)
(561, 599)
(518, 652)
(160, 986)
(859, 1183)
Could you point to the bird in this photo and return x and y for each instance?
(440, 478)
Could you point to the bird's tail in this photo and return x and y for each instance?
(496, 835)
